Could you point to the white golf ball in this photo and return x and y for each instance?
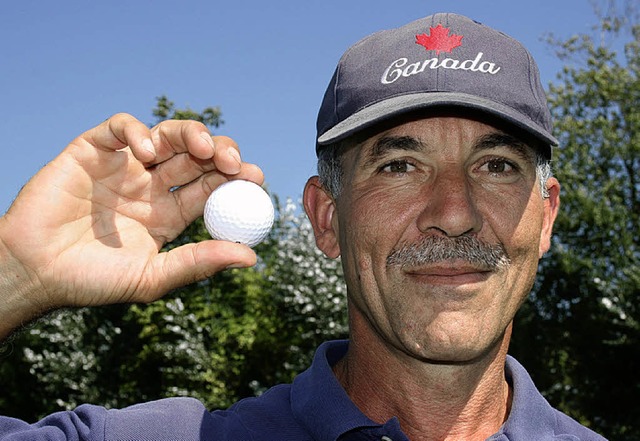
(239, 211)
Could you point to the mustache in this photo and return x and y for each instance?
(436, 249)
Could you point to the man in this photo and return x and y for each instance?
(434, 143)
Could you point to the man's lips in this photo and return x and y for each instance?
(449, 274)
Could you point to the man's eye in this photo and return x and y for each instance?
(499, 166)
(397, 167)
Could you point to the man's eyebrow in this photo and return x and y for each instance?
(494, 140)
(387, 144)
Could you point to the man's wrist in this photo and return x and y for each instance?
(17, 290)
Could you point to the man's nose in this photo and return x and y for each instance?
(450, 205)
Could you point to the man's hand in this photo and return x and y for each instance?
(88, 228)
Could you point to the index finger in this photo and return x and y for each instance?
(172, 137)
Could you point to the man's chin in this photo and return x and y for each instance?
(461, 353)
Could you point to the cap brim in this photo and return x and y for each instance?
(399, 105)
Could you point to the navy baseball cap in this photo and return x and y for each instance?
(442, 60)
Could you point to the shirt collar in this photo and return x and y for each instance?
(531, 416)
(319, 401)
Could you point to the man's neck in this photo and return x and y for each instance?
(432, 401)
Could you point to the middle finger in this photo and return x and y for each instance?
(178, 136)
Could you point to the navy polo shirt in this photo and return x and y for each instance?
(314, 407)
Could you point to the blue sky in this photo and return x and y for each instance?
(66, 66)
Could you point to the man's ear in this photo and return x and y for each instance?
(321, 208)
(551, 207)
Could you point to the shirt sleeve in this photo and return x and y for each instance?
(168, 419)
(85, 423)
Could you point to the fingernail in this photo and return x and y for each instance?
(235, 155)
(148, 146)
(209, 140)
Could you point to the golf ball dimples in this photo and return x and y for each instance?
(239, 211)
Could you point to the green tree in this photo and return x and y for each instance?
(579, 334)
(310, 288)
(165, 109)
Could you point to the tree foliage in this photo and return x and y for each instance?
(580, 333)
(165, 109)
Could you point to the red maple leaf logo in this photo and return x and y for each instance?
(439, 40)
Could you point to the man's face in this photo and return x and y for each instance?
(411, 192)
